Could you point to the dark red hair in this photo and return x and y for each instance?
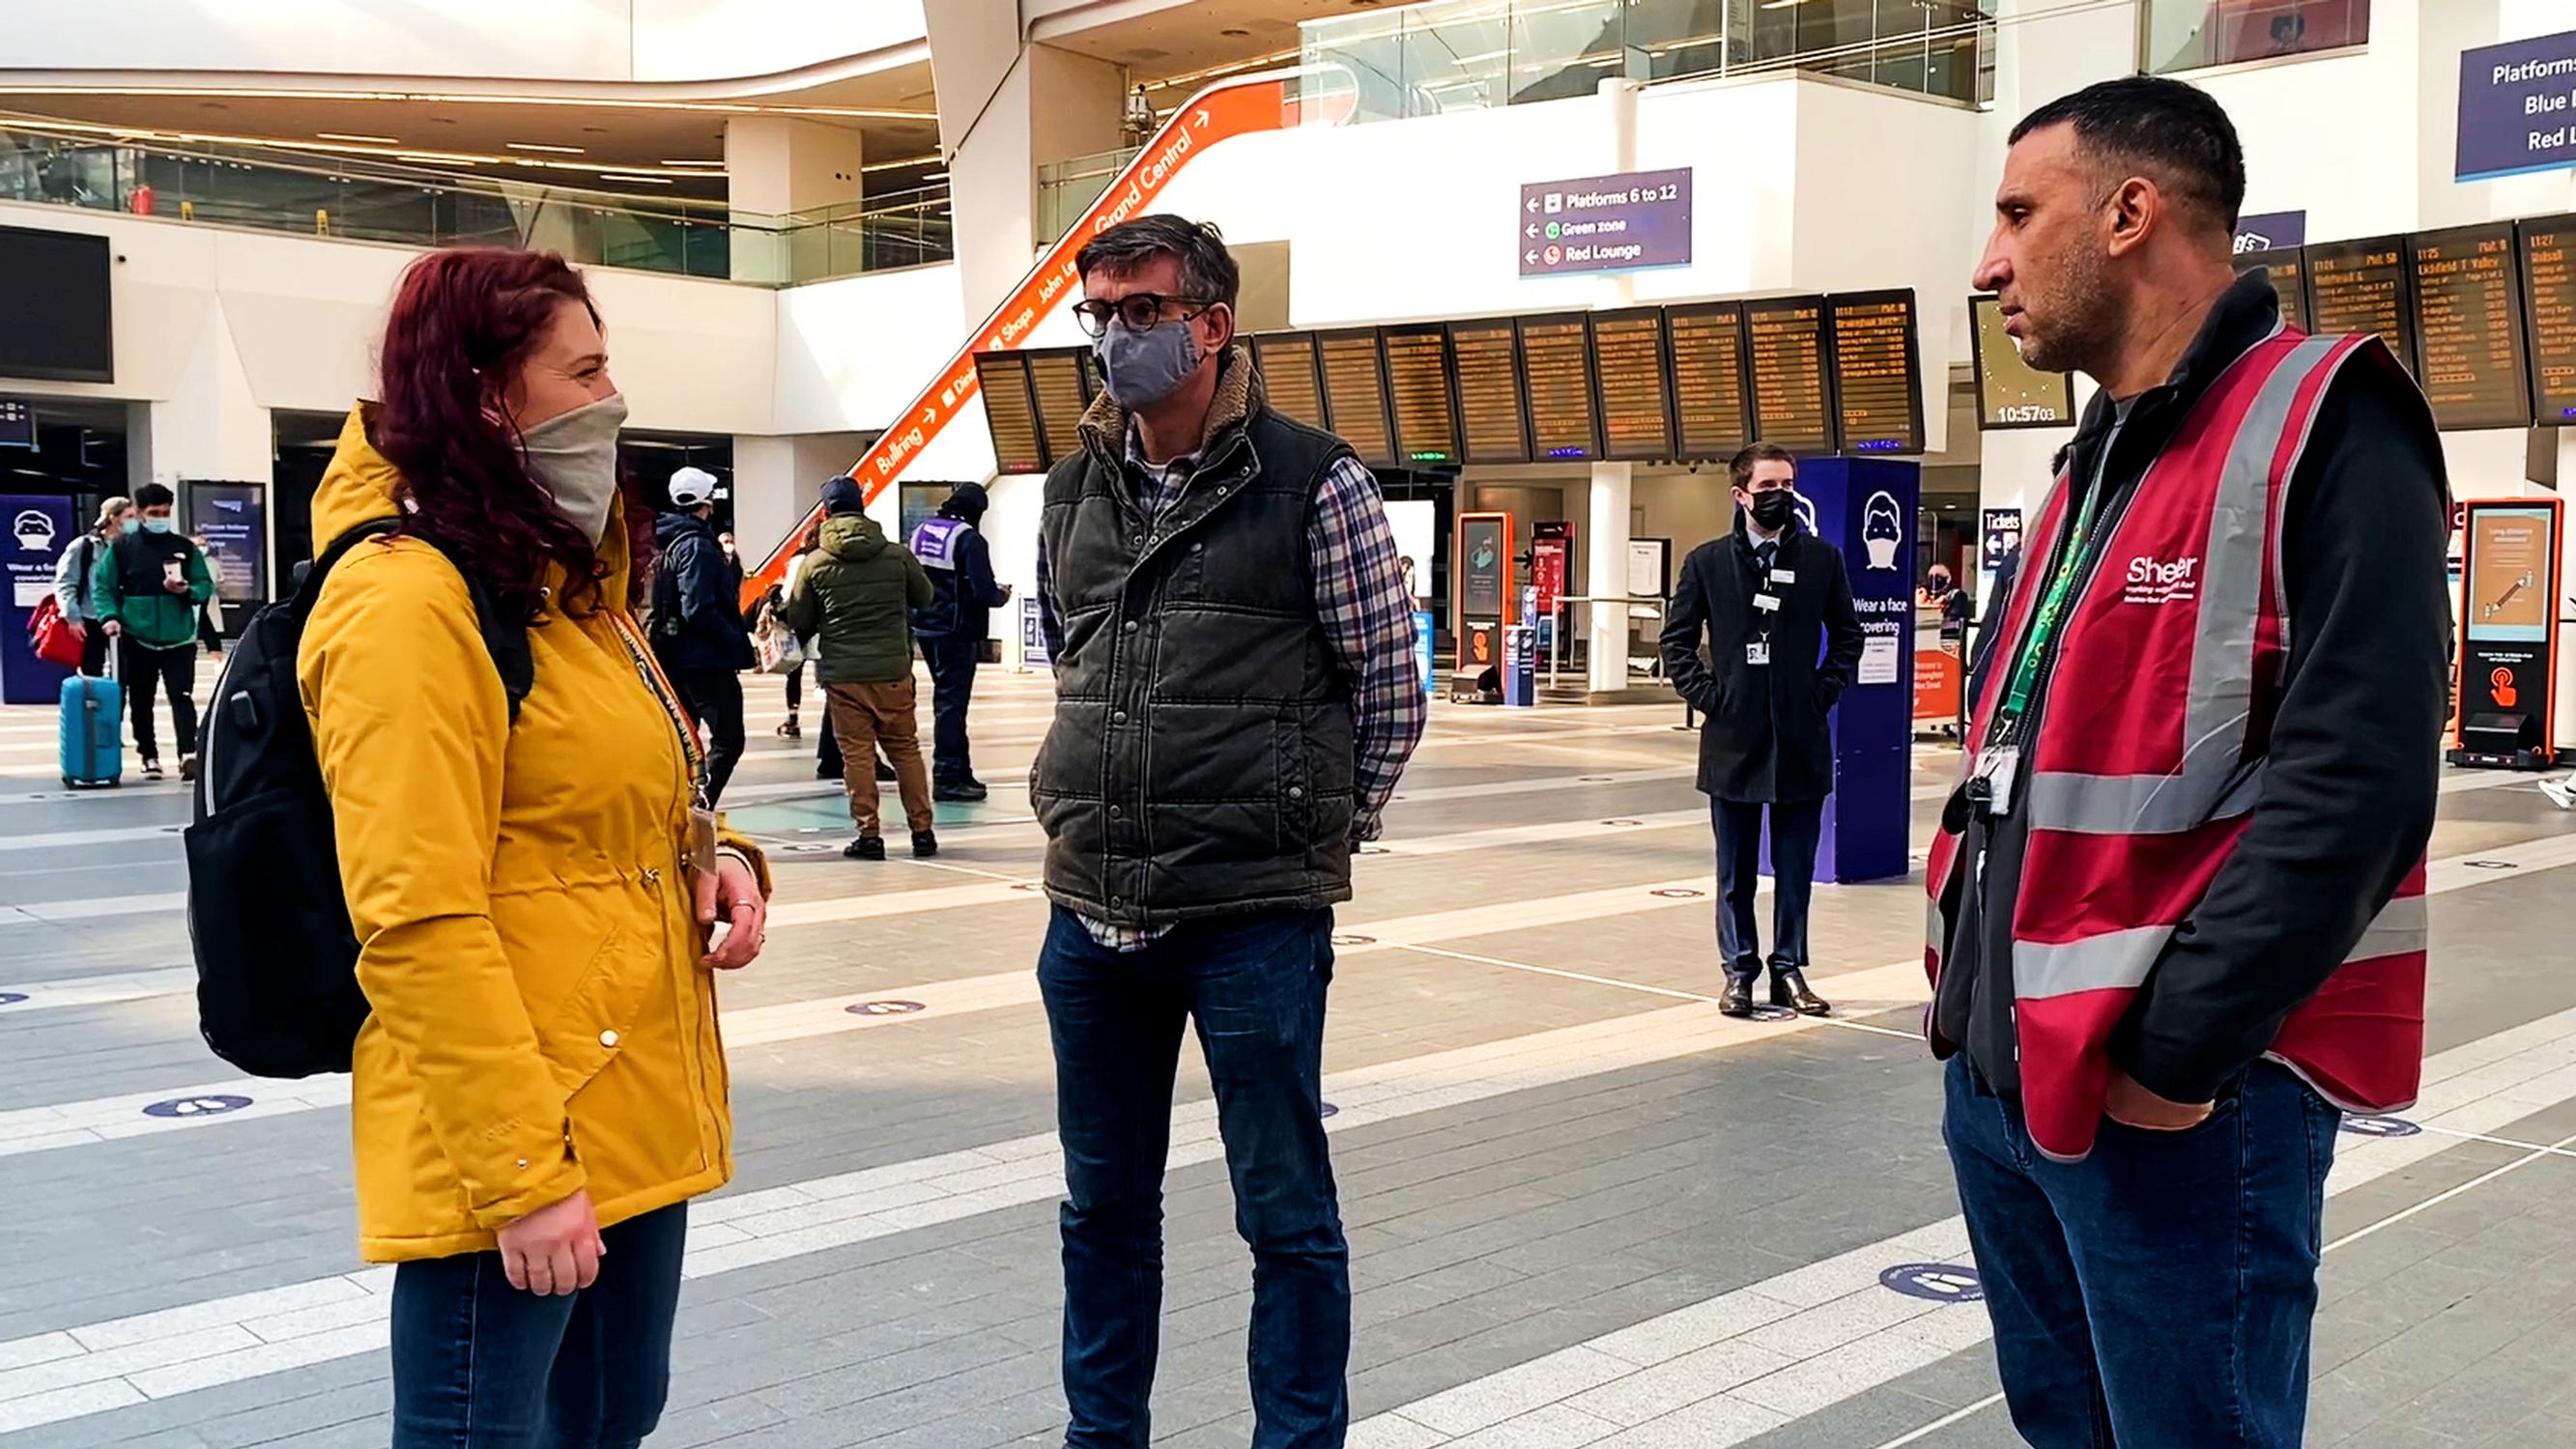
(463, 324)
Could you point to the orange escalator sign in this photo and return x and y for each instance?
(1220, 113)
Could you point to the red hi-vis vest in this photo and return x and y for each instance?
(2148, 758)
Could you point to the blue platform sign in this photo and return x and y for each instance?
(40, 527)
(1866, 507)
(1630, 222)
(2517, 108)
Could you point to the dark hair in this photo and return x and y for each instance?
(2174, 134)
(154, 495)
(462, 325)
(1207, 268)
(1739, 469)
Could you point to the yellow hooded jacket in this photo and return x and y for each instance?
(528, 942)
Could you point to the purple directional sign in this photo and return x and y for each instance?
(1625, 223)
(2517, 108)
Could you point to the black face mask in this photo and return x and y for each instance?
(1774, 509)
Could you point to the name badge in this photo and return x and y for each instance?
(1758, 653)
(1767, 603)
(1783, 576)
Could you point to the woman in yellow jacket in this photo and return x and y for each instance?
(540, 1088)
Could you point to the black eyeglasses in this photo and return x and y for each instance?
(1139, 310)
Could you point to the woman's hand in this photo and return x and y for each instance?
(554, 1250)
(738, 903)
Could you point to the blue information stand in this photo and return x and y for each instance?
(1866, 507)
(40, 527)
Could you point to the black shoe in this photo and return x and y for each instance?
(885, 774)
(1789, 989)
(826, 772)
(1737, 1000)
(866, 847)
(925, 844)
(151, 769)
(790, 730)
(966, 793)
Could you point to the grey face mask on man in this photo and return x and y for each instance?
(1143, 368)
(573, 456)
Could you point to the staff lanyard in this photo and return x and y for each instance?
(1766, 604)
(2052, 605)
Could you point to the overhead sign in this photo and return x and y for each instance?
(2010, 392)
(2271, 231)
(2517, 108)
(2002, 540)
(1625, 223)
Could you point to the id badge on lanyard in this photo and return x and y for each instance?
(1757, 652)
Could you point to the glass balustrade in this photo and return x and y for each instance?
(243, 187)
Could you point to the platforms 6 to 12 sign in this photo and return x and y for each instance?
(1625, 223)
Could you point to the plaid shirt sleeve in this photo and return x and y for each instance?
(1368, 619)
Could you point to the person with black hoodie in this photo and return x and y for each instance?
(698, 635)
(953, 629)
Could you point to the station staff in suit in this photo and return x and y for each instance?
(1775, 607)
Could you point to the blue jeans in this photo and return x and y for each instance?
(1796, 828)
(479, 1364)
(1255, 986)
(2158, 1293)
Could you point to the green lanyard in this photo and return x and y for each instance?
(2052, 605)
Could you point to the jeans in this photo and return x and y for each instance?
(1255, 986)
(139, 667)
(952, 664)
(1795, 830)
(714, 697)
(479, 1364)
(865, 718)
(2159, 1292)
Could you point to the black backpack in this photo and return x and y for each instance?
(277, 983)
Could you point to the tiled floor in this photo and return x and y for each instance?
(1585, 1208)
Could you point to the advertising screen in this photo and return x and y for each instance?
(1711, 406)
(2549, 315)
(1491, 423)
(1628, 357)
(2360, 286)
(1003, 378)
(1417, 377)
(1287, 361)
(1878, 388)
(1556, 361)
(2010, 392)
(59, 323)
(1786, 339)
(1355, 394)
(2468, 326)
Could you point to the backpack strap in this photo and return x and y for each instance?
(506, 643)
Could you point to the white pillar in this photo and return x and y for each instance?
(211, 428)
(778, 165)
(1607, 560)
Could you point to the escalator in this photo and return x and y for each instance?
(1225, 110)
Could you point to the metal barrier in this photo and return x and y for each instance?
(1638, 608)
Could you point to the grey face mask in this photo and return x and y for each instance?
(573, 456)
(1143, 368)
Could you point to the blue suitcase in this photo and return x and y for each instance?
(93, 729)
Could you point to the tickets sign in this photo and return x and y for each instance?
(1220, 113)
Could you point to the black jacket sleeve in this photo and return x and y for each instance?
(1841, 663)
(1680, 641)
(2349, 792)
(975, 570)
(694, 568)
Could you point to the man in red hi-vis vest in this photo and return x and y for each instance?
(2178, 917)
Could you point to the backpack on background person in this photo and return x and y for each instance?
(277, 979)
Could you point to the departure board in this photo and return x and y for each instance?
(1710, 403)
(2360, 286)
(1055, 374)
(1878, 388)
(1491, 423)
(2549, 313)
(2468, 327)
(1556, 358)
(2287, 267)
(1003, 378)
(1636, 412)
(1417, 378)
(1785, 339)
(2010, 392)
(1355, 394)
(1288, 375)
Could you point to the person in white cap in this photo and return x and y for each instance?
(698, 634)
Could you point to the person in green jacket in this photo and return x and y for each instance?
(858, 591)
(147, 588)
